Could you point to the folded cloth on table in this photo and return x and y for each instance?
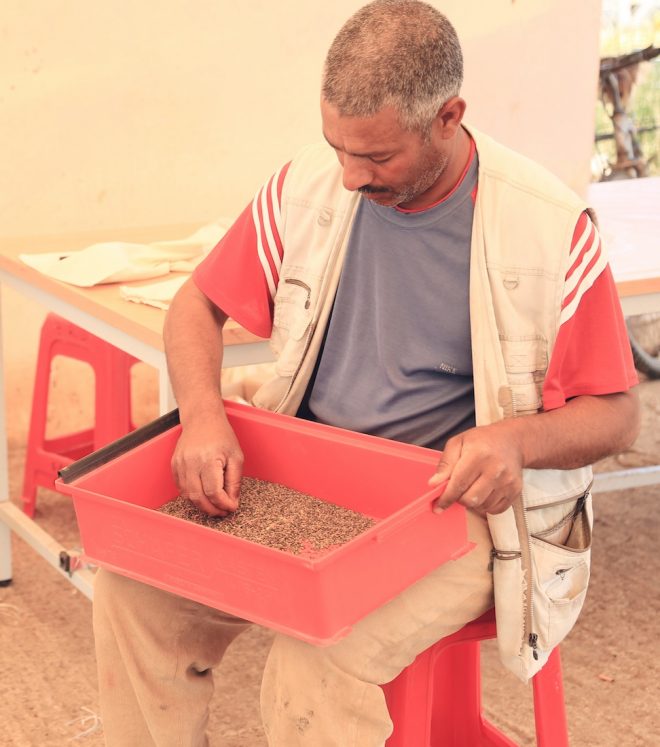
(155, 294)
(119, 261)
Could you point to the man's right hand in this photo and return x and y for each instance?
(208, 462)
(207, 465)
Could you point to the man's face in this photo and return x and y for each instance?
(386, 163)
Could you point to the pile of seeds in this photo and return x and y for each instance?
(275, 516)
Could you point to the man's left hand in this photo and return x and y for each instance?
(483, 467)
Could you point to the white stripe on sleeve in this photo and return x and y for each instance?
(260, 247)
(576, 275)
(585, 283)
(277, 213)
(268, 230)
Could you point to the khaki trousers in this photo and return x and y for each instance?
(156, 653)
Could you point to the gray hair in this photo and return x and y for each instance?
(402, 53)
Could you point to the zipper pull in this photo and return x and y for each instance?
(493, 554)
(533, 642)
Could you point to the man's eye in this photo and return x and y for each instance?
(380, 160)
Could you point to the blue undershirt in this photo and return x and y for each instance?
(397, 359)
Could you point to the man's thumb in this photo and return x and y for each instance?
(232, 484)
(441, 474)
(447, 462)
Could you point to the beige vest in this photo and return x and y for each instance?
(524, 220)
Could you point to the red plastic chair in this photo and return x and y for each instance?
(436, 701)
(112, 410)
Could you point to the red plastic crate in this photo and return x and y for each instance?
(315, 599)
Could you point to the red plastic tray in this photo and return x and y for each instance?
(315, 599)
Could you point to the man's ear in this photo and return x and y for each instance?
(449, 117)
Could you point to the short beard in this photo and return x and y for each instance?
(426, 179)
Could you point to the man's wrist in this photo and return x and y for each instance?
(520, 435)
(194, 410)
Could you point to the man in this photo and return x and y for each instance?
(421, 283)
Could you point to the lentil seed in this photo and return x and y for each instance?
(279, 517)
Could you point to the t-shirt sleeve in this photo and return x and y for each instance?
(240, 275)
(592, 354)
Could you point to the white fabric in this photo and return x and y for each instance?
(155, 294)
(119, 261)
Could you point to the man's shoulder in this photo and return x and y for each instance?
(314, 173)
(314, 158)
(506, 165)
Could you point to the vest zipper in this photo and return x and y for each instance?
(526, 561)
(581, 498)
(533, 643)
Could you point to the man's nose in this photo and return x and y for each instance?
(356, 172)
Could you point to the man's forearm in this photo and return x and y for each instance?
(207, 462)
(581, 432)
(194, 348)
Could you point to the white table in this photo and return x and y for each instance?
(629, 217)
(134, 328)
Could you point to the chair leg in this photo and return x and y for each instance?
(456, 718)
(409, 701)
(38, 416)
(549, 708)
(436, 701)
(112, 370)
(491, 736)
(112, 396)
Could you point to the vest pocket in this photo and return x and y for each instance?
(561, 559)
(525, 361)
(293, 308)
(292, 319)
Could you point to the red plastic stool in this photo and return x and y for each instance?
(112, 416)
(436, 701)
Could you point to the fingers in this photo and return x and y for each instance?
(461, 473)
(205, 504)
(203, 487)
(450, 457)
(212, 479)
(482, 469)
(207, 465)
(232, 482)
(479, 499)
(210, 484)
(483, 490)
(221, 484)
(445, 472)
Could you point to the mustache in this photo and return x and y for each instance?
(367, 190)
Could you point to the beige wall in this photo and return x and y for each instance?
(132, 113)
(136, 113)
